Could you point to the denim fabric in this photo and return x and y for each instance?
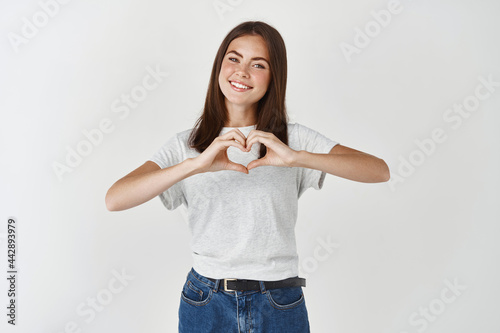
(205, 307)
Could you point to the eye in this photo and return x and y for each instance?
(231, 59)
(260, 66)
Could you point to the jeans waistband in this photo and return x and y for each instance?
(247, 285)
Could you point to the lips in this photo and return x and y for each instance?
(240, 86)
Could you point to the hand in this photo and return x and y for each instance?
(277, 154)
(214, 158)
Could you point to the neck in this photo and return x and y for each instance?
(241, 116)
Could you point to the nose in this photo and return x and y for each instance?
(242, 71)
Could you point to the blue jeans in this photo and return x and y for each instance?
(205, 307)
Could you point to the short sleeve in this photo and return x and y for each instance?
(168, 155)
(314, 142)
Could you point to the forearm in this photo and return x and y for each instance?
(360, 167)
(134, 190)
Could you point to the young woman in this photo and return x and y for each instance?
(240, 172)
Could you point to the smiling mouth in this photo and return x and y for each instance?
(239, 85)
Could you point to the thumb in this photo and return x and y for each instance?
(236, 167)
(255, 163)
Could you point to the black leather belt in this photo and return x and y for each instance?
(242, 284)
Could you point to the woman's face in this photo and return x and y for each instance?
(246, 63)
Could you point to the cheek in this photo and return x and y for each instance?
(264, 80)
(222, 75)
(225, 69)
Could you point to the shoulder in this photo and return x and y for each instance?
(294, 135)
(182, 139)
(184, 135)
(304, 133)
(292, 128)
(298, 130)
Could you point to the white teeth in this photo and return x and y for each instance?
(239, 85)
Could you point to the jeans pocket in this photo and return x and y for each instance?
(196, 292)
(285, 298)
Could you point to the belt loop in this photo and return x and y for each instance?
(262, 287)
(216, 287)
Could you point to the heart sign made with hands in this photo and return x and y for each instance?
(277, 153)
(215, 158)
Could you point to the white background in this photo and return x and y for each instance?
(400, 243)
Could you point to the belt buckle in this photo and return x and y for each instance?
(225, 284)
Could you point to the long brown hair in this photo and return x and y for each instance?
(271, 110)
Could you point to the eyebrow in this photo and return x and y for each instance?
(255, 58)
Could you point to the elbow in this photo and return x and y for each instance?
(385, 174)
(110, 203)
(110, 207)
(380, 172)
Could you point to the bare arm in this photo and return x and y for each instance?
(149, 180)
(347, 163)
(145, 183)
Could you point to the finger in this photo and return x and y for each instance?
(266, 141)
(258, 133)
(236, 167)
(226, 143)
(252, 134)
(235, 134)
(256, 163)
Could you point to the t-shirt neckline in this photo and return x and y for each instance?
(242, 127)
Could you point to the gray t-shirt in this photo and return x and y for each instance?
(243, 225)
